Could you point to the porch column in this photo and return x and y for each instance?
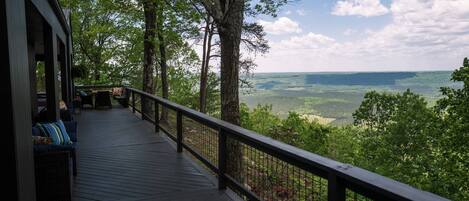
(51, 71)
(64, 73)
(17, 153)
(32, 78)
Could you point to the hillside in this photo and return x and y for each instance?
(336, 95)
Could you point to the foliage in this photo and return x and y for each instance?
(397, 135)
(400, 129)
(416, 144)
(183, 87)
(298, 131)
(107, 38)
(453, 110)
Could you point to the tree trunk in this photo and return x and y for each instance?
(163, 65)
(97, 66)
(207, 46)
(96, 73)
(230, 37)
(149, 8)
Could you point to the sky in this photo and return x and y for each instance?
(366, 35)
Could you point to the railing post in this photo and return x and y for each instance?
(336, 189)
(142, 106)
(179, 131)
(133, 101)
(127, 97)
(221, 159)
(157, 117)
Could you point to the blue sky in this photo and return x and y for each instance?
(366, 35)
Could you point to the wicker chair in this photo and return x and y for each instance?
(86, 99)
(71, 127)
(121, 95)
(102, 99)
(52, 176)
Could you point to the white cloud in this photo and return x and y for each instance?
(308, 41)
(288, 12)
(366, 8)
(423, 35)
(283, 25)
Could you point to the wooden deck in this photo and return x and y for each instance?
(121, 158)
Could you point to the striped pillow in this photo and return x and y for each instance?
(56, 131)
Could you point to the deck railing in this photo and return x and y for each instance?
(260, 168)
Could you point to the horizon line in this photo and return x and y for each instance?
(358, 71)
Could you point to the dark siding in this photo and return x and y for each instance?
(45, 9)
(16, 104)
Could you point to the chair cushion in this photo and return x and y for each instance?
(56, 131)
(41, 148)
(71, 127)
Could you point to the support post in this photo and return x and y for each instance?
(17, 147)
(157, 117)
(336, 190)
(64, 73)
(133, 101)
(221, 159)
(179, 131)
(50, 55)
(142, 105)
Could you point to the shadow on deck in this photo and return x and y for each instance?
(121, 158)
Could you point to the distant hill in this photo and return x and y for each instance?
(337, 95)
(370, 79)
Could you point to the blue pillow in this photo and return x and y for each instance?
(37, 131)
(82, 93)
(56, 131)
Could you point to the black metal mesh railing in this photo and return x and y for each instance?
(147, 108)
(201, 139)
(271, 178)
(168, 121)
(137, 102)
(260, 168)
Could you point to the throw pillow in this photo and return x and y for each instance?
(41, 140)
(56, 131)
(82, 93)
(117, 91)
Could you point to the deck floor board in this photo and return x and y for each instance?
(120, 157)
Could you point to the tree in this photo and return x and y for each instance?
(228, 17)
(453, 109)
(401, 130)
(209, 32)
(252, 40)
(149, 9)
(101, 29)
(163, 59)
(175, 23)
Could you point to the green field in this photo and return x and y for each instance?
(336, 95)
